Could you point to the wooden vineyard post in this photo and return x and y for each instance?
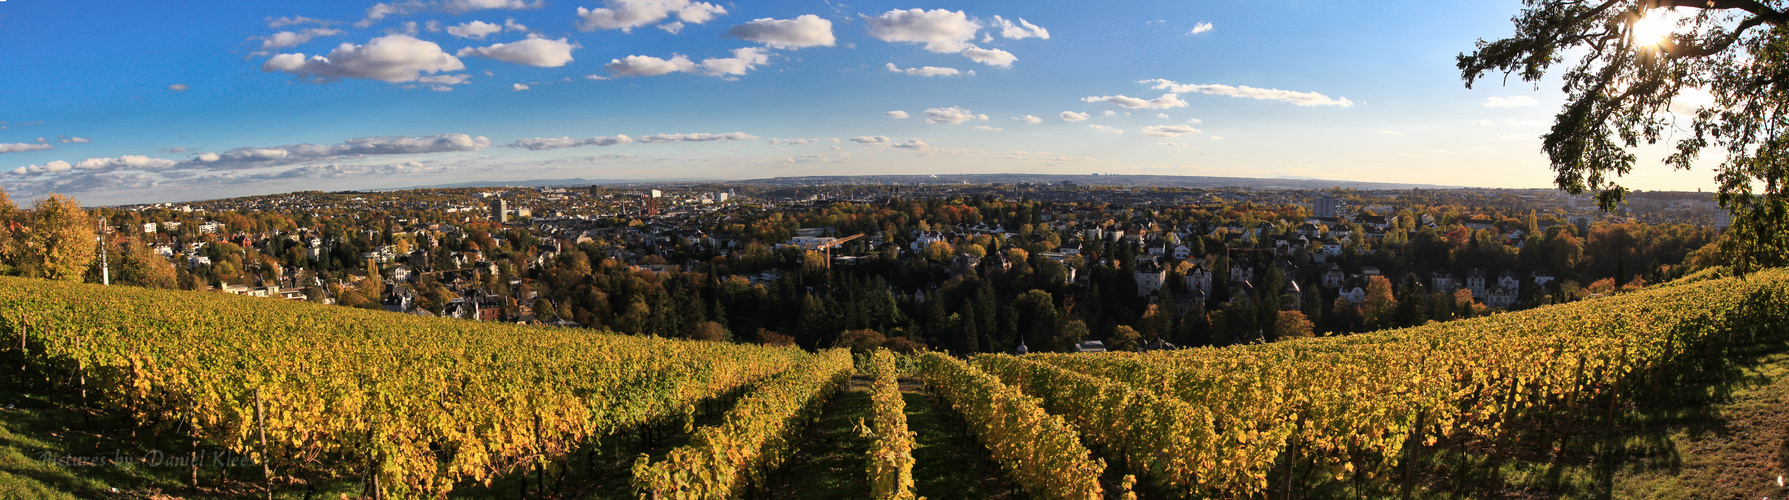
(81, 374)
(1412, 448)
(192, 429)
(261, 435)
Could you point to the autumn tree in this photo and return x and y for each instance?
(9, 244)
(1380, 308)
(134, 263)
(1636, 61)
(1073, 332)
(861, 341)
(1124, 338)
(711, 331)
(55, 240)
(1291, 325)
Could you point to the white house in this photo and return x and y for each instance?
(1354, 289)
(1149, 277)
(1333, 276)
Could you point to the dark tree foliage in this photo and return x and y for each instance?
(1619, 92)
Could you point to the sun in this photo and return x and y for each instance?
(1652, 30)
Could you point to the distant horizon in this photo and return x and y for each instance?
(1313, 184)
(197, 101)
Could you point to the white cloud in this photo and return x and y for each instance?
(281, 22)
(474, 29)
(1164, 102)
(1070, 116)
(673, 27)
(1296, 98)
(445, 79)
(1109, 113)
(1391, 132)
(804, 31)
(179, 87)
(82, 140)
(285, 39)
(1163, 116)
(512, 25)
(127, 161)
(834, 140)
(925, 71)
(408, 28)
(987, 128)
(379, 11)
(20, 147)
(1194, 120)
(518, 87)
(625, 15)
(944, 32)
(1216, 138)
(941, 31)
(912, 144)
(991, 57)
(649, 66)
(545, 143)
(390, 58)
(871, 139)
(743, 60)
(897, 114)
(1172, 144)
(700, 137)
(951, 115)
(1103, 128)
(464, 6)
(1029, 119)
(1200, 28)
(363, 146)
(1021, 30)
(535, 51)
(1510, 102)
(98, 165)
(1169, 131)
(47, 168)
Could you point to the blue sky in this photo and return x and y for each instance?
(170, 101)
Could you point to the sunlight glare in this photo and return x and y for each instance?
(1650, 31)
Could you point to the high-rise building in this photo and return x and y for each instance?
(501, 211)
(1328, 207)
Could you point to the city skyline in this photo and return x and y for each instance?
(153, 103)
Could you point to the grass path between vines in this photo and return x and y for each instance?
(948, 462)
(831, 460)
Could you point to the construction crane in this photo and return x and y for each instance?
(826, 248)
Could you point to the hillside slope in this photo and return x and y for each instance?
(1671, 392)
